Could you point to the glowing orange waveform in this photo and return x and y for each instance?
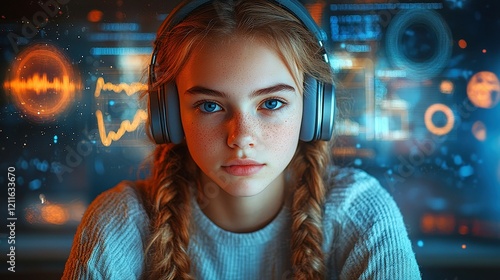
(41, 84)
(129, 89)
(125, 126)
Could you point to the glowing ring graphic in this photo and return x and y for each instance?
(434, 108)
(395, 48)
(42, 82)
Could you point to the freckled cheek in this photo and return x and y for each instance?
(201, 139)
(283, 138)
(195, 133)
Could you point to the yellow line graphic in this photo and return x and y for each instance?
(125, 126)
(129, 89)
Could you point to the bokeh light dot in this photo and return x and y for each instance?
(446, 87)
(479, 130)
(94, 16)
(462, 43)
(483, 89)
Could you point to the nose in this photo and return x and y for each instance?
(241, 131)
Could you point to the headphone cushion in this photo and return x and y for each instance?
(175, 133)
(309, 127)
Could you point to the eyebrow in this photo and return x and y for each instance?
(263, 91)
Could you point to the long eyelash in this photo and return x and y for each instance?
(200, 102)
(275, 98)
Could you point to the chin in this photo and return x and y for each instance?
(243, 190)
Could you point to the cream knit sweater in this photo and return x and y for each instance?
(364, 238)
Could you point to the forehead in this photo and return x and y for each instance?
(236, 62)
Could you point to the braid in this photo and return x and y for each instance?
(169, 210)
(307, 210)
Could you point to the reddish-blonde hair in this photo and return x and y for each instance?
(169, 189)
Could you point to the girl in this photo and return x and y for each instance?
(241, 196)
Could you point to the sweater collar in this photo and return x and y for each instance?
(205, 229)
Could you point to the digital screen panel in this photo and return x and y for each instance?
(417, 87)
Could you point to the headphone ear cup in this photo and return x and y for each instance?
(309, 126)
(157, 115)
(175, 133)
(319, 110)
(328, 117)
(164, 114)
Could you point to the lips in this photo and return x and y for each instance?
(243, 167)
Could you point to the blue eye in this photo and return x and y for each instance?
(272, 104)
(209, 107)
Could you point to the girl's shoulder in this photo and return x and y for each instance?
(351, 191)
(114, 222)
(122, 203)
(345, 185)
(364, 229)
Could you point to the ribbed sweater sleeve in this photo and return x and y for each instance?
(109, 242)
(364, 230)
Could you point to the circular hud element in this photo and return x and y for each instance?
(419, 42)
(42, 82)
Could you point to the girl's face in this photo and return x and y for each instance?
(241, 111)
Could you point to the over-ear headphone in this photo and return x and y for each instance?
(319, 97)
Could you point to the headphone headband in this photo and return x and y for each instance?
(319, 98)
